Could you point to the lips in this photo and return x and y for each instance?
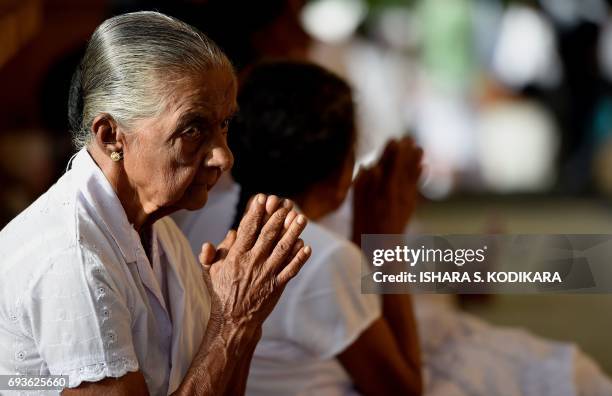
(210, 183)
(215, 179)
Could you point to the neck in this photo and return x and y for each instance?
(314, 205)
(138, 214)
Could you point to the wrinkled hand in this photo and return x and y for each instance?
(248, 271)
(386, 194)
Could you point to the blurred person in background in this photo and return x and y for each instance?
(582, 95)
(326, 337)
(97, 283)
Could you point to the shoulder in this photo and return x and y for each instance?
(54, 244)
(43, 233)
(334, 266)
(329, 247)
(58, 220)
(327, 240)
(48, 219)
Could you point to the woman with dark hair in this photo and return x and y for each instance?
(311, 136)
(296, 137)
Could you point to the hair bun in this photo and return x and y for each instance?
(75, 100)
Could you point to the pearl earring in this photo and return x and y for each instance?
(116, 156)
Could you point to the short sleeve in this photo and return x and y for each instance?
(329, 312)
(80, 320)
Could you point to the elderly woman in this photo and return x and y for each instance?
(95, 282)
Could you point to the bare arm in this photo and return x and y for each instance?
(376, 364)
(238, 382)
(386, 357)
(398, 313)
(132, 383)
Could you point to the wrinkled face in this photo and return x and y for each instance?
(172, 160)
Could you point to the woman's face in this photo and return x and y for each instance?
(174, 159)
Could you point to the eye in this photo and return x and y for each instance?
(192, 133)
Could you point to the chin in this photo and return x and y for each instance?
(195, 201)
(197, 205)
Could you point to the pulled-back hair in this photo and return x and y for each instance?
(295, 128)
(129, 62)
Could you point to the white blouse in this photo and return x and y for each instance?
(79, 297)
(320, 313)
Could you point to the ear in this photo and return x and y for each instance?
(106, 134)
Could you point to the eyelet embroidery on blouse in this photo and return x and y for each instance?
(20, 356)
(100, 292)
(111, 336)
(105, 312)
(95, 372)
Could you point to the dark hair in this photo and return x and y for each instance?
(295, 128)
(75, 100)
(231, 24)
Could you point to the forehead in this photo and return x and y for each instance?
(211, 94)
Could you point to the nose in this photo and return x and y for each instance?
(221, 157)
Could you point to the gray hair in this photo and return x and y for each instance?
(129, 62)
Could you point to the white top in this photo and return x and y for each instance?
(79, 297)
(320, 313)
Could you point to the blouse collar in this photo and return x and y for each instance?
(100, 195)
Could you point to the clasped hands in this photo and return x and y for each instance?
(247, 272)
(385, 195)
